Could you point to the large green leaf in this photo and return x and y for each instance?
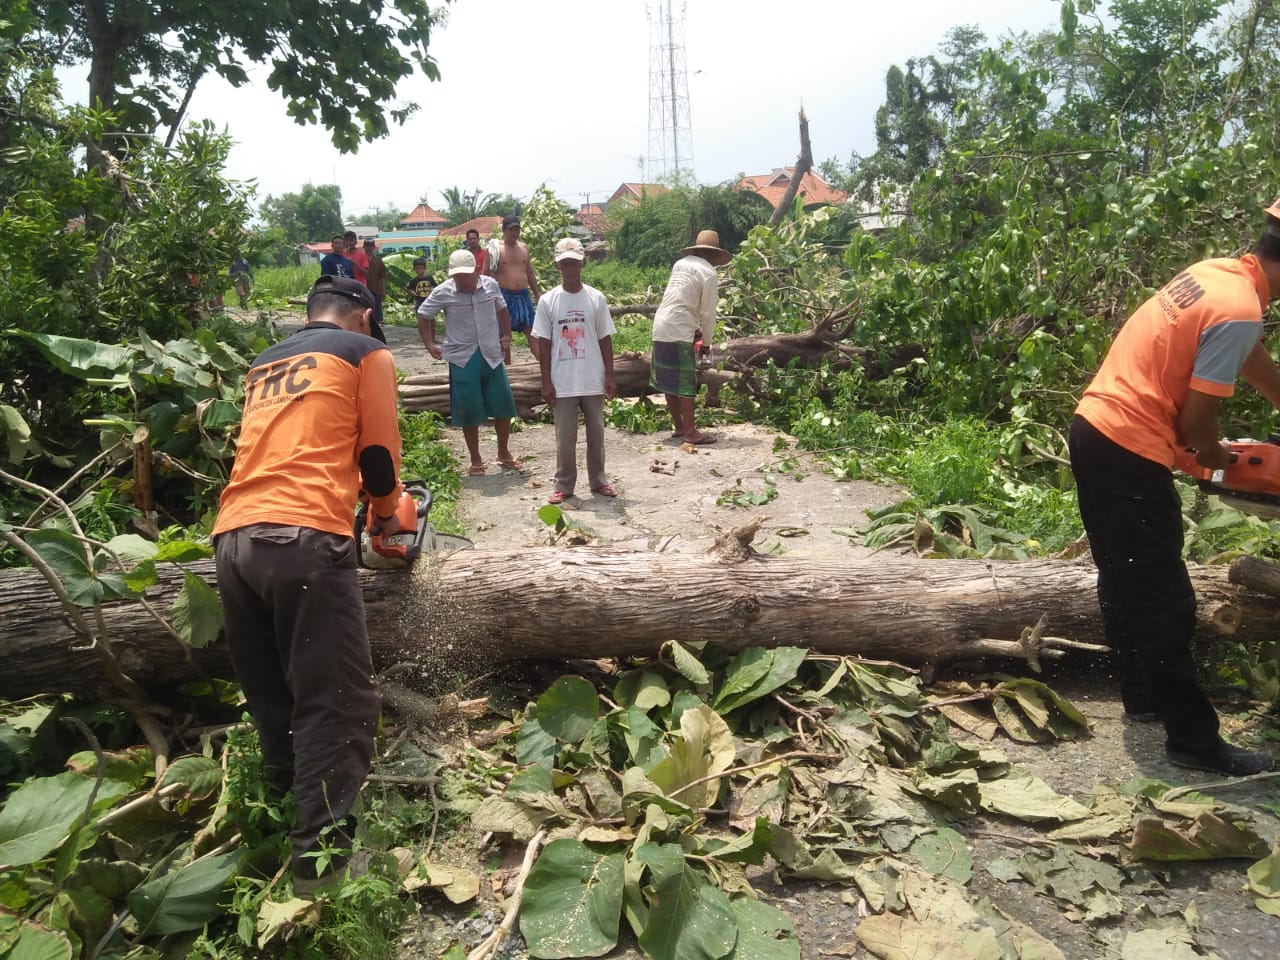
(199, 774)
(687, 663)
(568, 709)
(17, 433)
(81, 358)
(689, 919)
(764, 932)
(704, 748)
(780, 666)
(534, 744)
(183, 899)
(38, 815)
(65, 555)
(572, 901)
(197, 611)
(26, 940)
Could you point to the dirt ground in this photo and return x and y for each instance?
(668, 501)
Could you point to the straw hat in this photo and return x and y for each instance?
(709, 243)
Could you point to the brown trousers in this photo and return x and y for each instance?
(566, 415)
(296, 631)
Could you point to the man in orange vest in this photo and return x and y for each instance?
(1158, 391)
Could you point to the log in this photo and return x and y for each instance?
(605, 602)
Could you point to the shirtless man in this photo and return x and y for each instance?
(514, 273)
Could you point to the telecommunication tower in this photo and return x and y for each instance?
(670, 127)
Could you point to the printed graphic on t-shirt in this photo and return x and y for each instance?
(571, 340)
(1183, 290)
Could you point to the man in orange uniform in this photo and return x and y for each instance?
(1158, 391)
(319, 423)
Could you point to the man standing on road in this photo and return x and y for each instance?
(688, 308)
(359, 261)
(336, 264)
(241, 279)
(1158, 392)
(575, 351)
(477, 251)
(320, 424)
(513, 270)
(479, 334)
(376, 281)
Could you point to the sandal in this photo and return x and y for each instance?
(557, 496)
(703, 440)
(511, 463)
(605, 491)
(477, 470)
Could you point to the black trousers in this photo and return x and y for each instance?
(1133, 517)
(296, 631)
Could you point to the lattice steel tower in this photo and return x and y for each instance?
(670, 128)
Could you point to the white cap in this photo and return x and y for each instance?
(570, 248)
(462, 261)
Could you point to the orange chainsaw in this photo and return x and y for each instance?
(385, 551)
(1250, 482)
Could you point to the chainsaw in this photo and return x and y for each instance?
(1250, 482)
(383, 551)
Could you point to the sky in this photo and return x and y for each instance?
(534, 92)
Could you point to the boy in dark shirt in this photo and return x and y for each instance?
(421, 285)
(335, 264)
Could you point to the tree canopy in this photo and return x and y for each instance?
(336, 64)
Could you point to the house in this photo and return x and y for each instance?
(815, 191)
(633, 193)
(485, 226)
(422, 217)
(591, 218)
(415, 233)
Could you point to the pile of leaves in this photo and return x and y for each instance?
(670, 794)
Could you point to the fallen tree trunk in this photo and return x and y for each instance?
(734, 361)
(608, 603)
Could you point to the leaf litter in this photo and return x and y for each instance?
(680, 795)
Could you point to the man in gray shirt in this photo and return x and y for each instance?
(478, 336)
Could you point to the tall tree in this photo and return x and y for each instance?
(313, 214)
(144, 56)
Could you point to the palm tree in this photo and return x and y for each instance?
(460, 206)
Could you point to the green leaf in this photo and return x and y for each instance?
(704, 748)
(183, 899)
(27, 940)
(534, 744)
(1208, 837)
(689, 919)
(1029, 798)
(39, 814)
(750, 847)
(780, 666)
(944, 851)
(764, 932)
(642, 688)
(182, 551)
(572, 902)
(688, 665)
(81, 358)
(197, 612)
(569, 708)
(200, 775)
(17, 434)
(66, 556)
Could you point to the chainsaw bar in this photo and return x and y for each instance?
(1261, 505)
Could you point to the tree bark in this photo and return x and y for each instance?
(460, 611)
(804, 163)
(733, 361)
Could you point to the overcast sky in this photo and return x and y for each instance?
(533, 91)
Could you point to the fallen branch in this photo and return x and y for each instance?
(493, 943)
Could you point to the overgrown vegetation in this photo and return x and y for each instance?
(1046, 184)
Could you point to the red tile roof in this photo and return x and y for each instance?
(591, 208)
(814, 190)
(483, 225)
(634, 191)
(422, 214)
(593, 221)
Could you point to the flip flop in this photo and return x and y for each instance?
(477, 471)
(606, 491)
(511, 463)
(557, 496)
(702, 441)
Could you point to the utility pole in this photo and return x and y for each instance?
(670, 125)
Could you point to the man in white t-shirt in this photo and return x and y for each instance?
(576, 357)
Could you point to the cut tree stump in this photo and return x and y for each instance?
(460, 612)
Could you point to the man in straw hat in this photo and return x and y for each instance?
(688, 308)
(1158, 392)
